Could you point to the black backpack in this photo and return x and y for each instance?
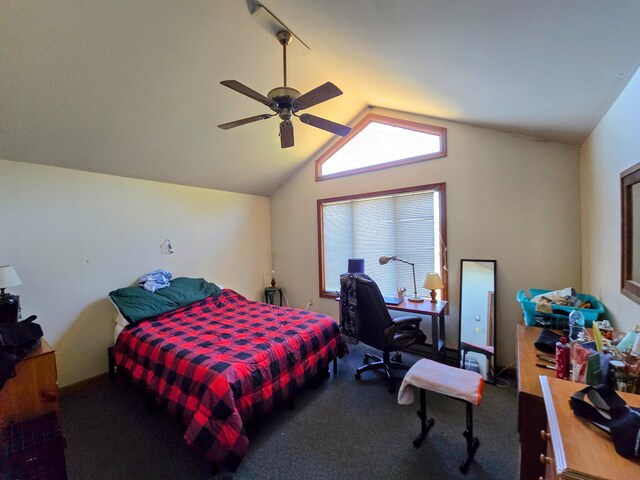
(17, 339)
(609, 412)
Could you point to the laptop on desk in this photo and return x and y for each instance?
(391, 300)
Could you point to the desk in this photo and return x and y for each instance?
(436, 310)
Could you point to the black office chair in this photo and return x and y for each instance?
(377, 329)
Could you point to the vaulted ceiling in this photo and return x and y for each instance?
(131, 87)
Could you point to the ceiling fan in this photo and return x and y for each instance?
(286, 102)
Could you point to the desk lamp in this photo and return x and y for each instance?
(9, 304)
(433, 282)
(385, 259)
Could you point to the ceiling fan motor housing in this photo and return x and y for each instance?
(284, 97)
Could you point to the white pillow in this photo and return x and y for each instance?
(120, 321)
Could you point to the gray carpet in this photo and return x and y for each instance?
(344, 429)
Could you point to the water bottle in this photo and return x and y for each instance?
(576, 325)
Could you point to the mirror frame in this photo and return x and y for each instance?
(628, 286)
(495, 318)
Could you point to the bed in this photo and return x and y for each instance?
(218, 362)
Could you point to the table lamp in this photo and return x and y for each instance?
(385, 259)
(433, 282)
(9, 304)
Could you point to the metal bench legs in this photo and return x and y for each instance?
(472, 442)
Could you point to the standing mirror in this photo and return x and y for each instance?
(478, 317)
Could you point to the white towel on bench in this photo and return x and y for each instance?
(438, 377)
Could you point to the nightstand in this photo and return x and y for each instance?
(270, 294)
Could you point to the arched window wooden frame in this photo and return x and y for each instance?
(394, 122)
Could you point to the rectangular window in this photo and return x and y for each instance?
(408, 223)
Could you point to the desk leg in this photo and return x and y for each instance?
(442, 351)
(438, 338)
(435, 337)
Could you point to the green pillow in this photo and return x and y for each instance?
(136, 303)
(184, 291)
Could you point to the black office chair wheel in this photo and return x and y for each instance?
(397, 358)
(366, 360)
(357, 375)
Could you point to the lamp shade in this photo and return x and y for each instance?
(9, 277)
(433, 281)
(385, 259)
(356, 265)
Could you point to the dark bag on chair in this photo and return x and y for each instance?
(17, 339)
(612, 414)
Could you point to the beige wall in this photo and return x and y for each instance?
(611, 148)
(74, 236)
(509, 198)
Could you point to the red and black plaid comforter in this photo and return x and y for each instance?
(218, 362)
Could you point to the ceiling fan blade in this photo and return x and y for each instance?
(244, 121)
(325, 124)
(286, 134)
(243, 89)
(319, 94)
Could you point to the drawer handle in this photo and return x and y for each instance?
(544, 459)
(544, 435)
(49, 397)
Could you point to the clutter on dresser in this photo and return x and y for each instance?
(17, 339)
(595, 356)
(609, 412)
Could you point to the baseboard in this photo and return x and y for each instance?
(83, 385)
(507, 371)
(426, 351)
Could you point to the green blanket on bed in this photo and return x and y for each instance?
(135, 303)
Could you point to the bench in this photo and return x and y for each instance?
(463, 385)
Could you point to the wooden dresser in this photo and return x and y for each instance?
(34, 390)
(576, 448)
(30, 429)
(590, 456)
(532, 417)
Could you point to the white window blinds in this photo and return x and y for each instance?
(406, 225)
